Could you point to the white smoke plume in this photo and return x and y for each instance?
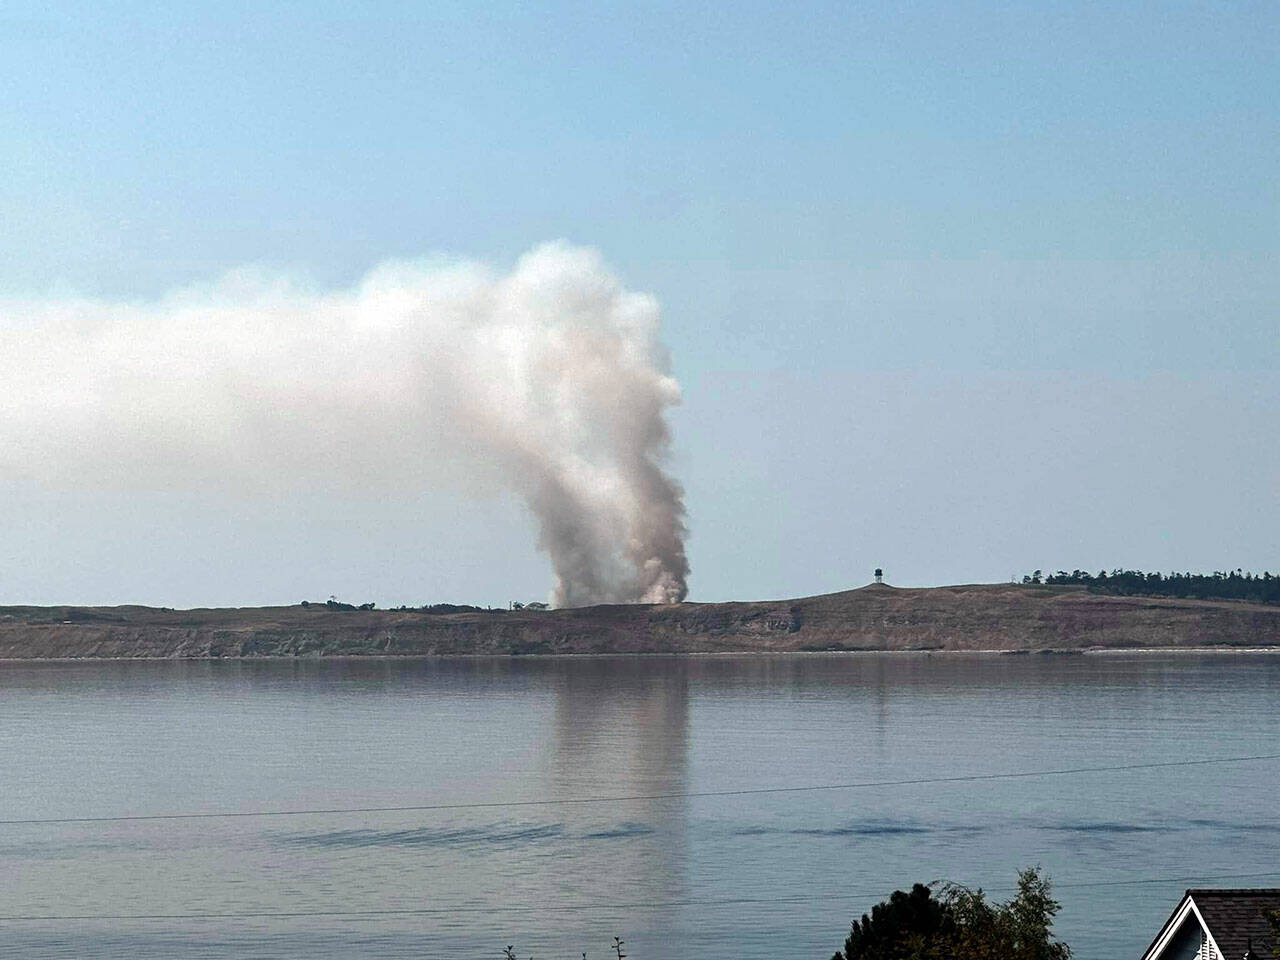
(549, 380)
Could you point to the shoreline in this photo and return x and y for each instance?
(979, 619)
(673, 654)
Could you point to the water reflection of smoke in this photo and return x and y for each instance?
(636, 726)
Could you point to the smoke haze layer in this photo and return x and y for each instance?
(548, 381)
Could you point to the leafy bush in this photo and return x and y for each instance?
(959, 924)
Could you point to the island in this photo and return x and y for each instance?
(877, 617)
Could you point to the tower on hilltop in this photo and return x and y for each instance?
(879, 575)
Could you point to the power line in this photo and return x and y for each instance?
(574, 908)
(630, 798)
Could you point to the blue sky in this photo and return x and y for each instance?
(907, 253)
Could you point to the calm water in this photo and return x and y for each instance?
(128, 738)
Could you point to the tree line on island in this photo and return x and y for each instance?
(1219, 585)
(333, 603)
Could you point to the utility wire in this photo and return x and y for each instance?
(574, 908)
(629, 798)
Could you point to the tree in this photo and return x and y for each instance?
(897, 927)
(959, 924)
(1030, 919)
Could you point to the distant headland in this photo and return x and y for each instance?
(976, 617)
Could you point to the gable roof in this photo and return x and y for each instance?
(1233, 918)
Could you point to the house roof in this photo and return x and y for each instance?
(1236, 917)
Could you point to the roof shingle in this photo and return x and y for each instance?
(1236, 917)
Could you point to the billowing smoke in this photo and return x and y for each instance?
(548, 380)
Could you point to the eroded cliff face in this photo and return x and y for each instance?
(982, 617)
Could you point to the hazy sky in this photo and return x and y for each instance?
(959, 290)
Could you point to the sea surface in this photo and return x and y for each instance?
(675, 862)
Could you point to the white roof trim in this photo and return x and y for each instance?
(1174, 924)
(1205, 927)
(1171, 928)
